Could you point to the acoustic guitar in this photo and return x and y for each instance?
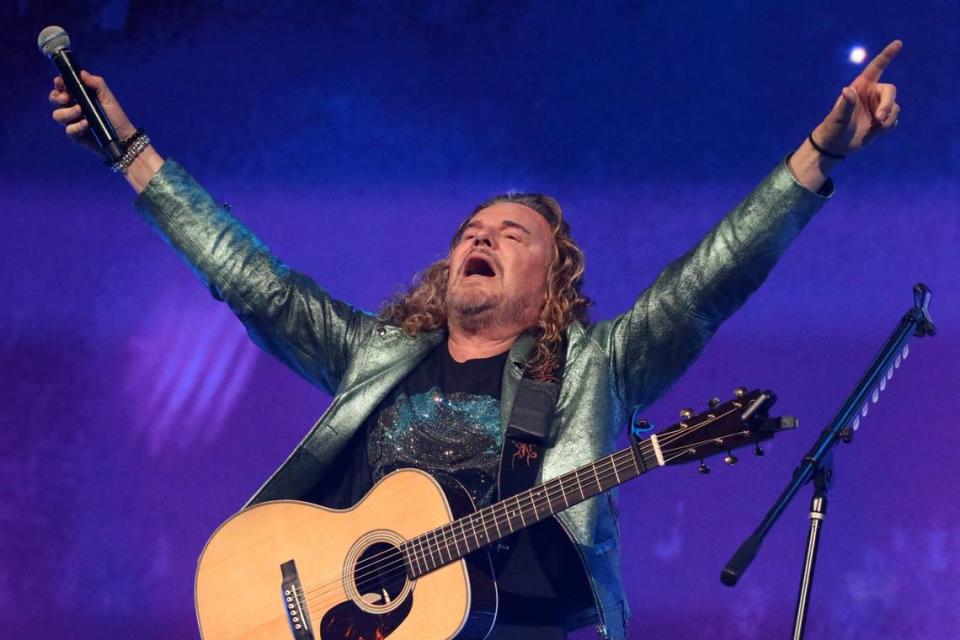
(402, 563)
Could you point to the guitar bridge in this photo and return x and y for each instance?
(294, 602)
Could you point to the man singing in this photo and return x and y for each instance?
(431, 381)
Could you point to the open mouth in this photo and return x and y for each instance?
(478, 266)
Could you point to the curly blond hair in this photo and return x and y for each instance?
(423, 307)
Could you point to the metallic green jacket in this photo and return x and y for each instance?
(611, 366)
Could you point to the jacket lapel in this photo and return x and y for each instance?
(388, 357)
(380, 364)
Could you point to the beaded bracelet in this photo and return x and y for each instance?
(133, 147)
(124, 144)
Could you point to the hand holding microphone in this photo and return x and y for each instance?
(70, 114)
(88, 112)
(92, 117)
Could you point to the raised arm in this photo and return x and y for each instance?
(284, 312)
(864, 111)
(654, 342)
(664, 331)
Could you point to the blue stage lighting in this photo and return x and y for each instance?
(858, 55)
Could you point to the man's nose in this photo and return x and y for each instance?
(483, 238)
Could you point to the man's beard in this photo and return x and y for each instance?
(476, 311)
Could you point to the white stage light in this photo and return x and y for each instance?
(858, 55)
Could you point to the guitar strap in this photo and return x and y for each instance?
(528, 433)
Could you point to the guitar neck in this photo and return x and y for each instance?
(451, 542)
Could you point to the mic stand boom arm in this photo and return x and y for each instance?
(916, 322)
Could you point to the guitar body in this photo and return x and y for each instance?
(289, 569)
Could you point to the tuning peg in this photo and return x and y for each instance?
(739, 392)
(730, 458)
(713, 402)
(686, 414)
(757, 451)
(703, 468)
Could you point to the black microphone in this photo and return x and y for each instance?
(55, 44)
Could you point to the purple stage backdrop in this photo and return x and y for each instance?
(353, 137)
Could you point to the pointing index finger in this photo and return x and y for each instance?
(876, 67)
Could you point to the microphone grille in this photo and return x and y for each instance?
(52, 39)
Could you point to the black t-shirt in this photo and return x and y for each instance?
(444, 418)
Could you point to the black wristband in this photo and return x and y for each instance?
(835, 156)
(136, 134)
(132, 147)
(124, 145)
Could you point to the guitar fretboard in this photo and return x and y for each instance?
(485, 526)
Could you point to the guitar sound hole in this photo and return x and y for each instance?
(380, 574)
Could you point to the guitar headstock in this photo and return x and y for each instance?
(725, 426)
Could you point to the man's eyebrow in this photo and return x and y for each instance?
(473, 224)
(515, 225)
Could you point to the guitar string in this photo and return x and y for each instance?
(432, 544)
(321, 601)
(624, 460)
(547, 496)
(321, 598)
(430, 541)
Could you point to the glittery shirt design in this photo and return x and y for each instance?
(454, 435)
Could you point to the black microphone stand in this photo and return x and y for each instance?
(817, 464)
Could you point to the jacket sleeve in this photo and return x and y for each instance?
(285, 312)
(654, 342)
